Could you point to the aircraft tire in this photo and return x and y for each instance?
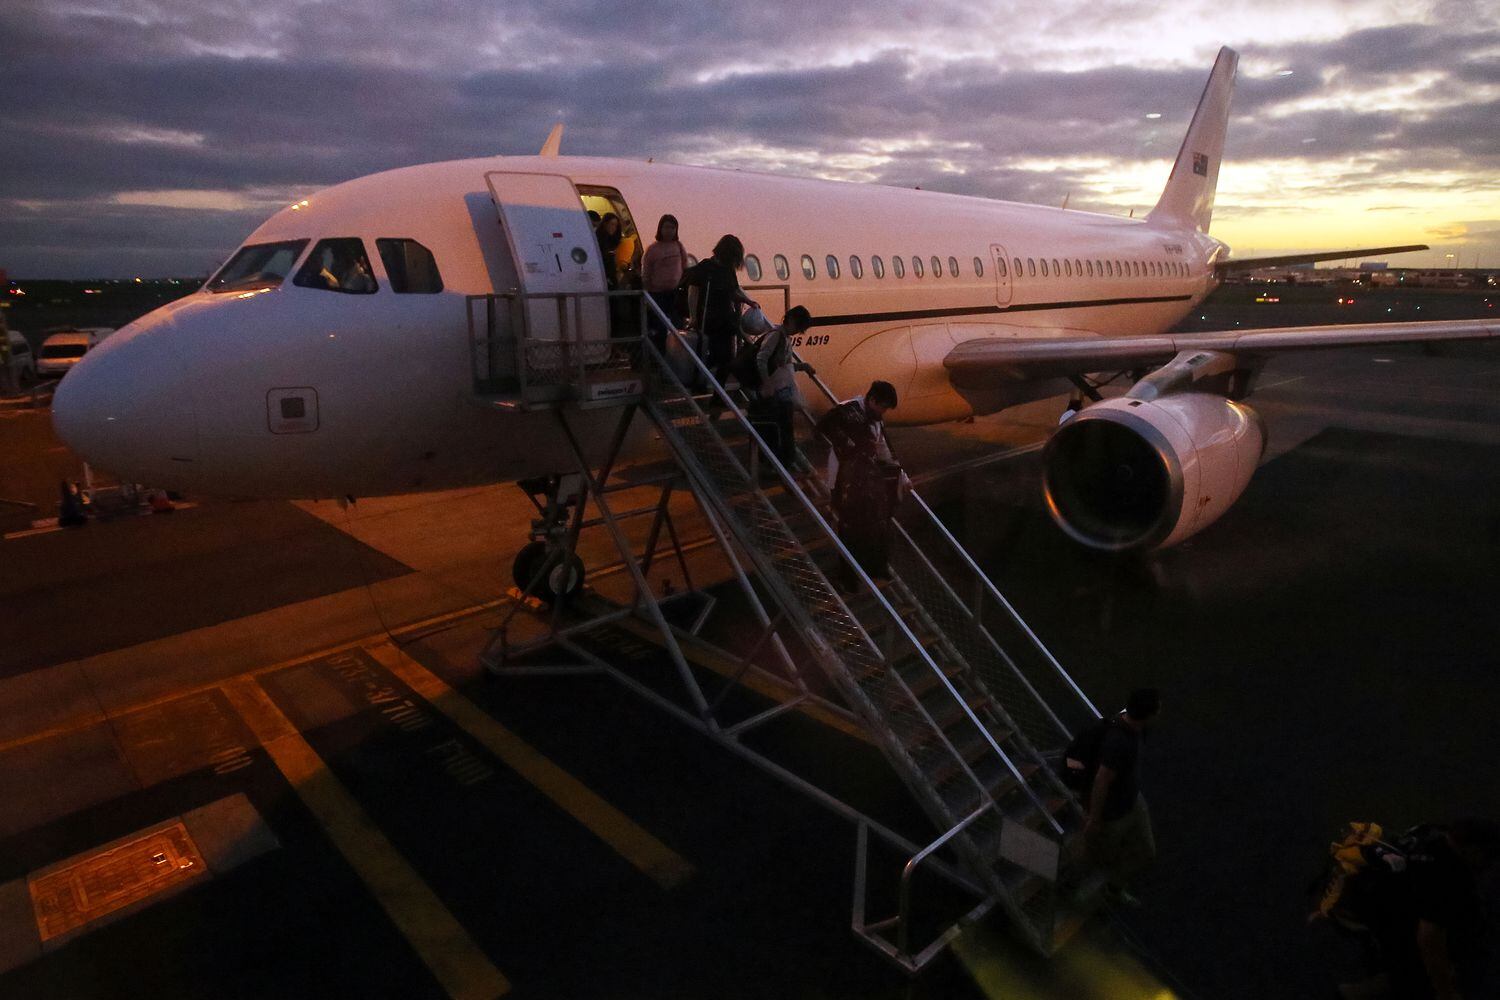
(527, 564)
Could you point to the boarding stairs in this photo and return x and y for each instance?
(930, 659)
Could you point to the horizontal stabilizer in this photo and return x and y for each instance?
(1287, 260)
(993, 361)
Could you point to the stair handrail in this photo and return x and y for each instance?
(796, 491)
(981, 575)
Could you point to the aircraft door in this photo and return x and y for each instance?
(555, 253)
(1001, 264)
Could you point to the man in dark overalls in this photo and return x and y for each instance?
(868, 482)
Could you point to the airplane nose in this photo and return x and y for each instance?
(127, 408)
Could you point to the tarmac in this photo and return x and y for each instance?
(247, 748)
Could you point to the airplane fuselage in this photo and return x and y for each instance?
(186, 397)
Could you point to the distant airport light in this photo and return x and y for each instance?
(300, 205)
(1154, 114)
(1272, 298)
(1285, 72)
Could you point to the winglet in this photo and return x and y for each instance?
(554, 141)
(1188, 200)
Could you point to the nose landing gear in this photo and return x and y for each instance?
(547, 567)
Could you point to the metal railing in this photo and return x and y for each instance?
(862, 652)
(537, 347)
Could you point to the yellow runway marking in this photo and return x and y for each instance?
(443, 944)
(95, 717)
(609, 824)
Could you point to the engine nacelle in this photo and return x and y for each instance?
(1132, 473)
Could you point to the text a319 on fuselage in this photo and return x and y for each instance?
(274, 382)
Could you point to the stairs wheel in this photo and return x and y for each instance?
(564, 580)
(562, 573)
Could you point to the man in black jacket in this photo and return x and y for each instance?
(714, 299)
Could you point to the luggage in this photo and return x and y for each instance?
(680, 358)
(1081, 758)
(867, 501)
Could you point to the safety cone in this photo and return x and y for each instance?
(69, 506)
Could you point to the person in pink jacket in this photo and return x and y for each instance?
(661, 271)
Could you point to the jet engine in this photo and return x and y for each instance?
(1134, 473)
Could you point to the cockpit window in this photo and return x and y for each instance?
(338, 265)
(409, 266)
(260, 265)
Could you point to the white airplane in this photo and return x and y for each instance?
(329, 357)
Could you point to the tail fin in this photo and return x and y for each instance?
(1188, 200)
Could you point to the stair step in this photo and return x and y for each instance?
(948, 712)
(922, 679)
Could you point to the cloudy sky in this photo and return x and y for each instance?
(148, 137)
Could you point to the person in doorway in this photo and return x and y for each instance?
(1117, 830)
(867, 480)
(608, 235)
(715, 299)
(778, 398)
(661, 272)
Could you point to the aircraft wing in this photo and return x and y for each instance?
(1287, 260)
(991, 361)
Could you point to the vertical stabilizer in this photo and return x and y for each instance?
(553, 145)
(1188, 201)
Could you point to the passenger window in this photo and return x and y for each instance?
(338, 265)
(1115, 268)
(263, 265)
(1067, 268)
(1077, 268)
(832, 264)
(692, 260)
(899, 265)
(916, 267)
(409, 267)
(937, 268)
(1089, 265)
(809, 269)
(978, 268)
(1056, 270)
(752, 267)
(878, 266)
(1017, 263)
(856, 269)
(1031, 267)
(1000, 267)
(952, 267)
(783, 269)
(1044, 267)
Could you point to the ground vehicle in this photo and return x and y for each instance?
(22, 363)
(61, 350)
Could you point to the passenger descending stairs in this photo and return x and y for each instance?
(963, 726)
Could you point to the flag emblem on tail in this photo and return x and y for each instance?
(1200, 164)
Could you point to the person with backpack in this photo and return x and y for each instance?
(713, 298)
(776, 382)
(1117, 830)
(1418, 901)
